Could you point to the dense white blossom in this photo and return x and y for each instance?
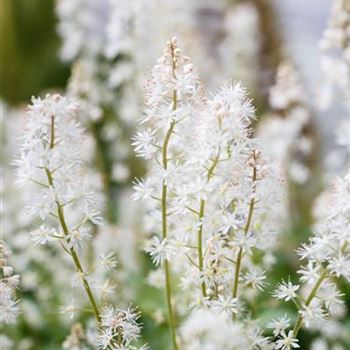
(9, 307)
(327, 258)
(119, 328)
(209, 187)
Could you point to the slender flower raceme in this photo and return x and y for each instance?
(65, 206)
(328, 258)
(209, 190)
(49, 156)
(172, 94)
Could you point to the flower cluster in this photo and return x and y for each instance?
(9, 308)
(119, 329)
(200, 331)
(206, 186)
(51, 158)
(327, 257)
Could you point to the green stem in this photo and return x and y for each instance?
(169, 304)
(237, 271)
(62, 221)
(200, 229)
(246, 229)
(168, 287)
(200, 245)
(78, 264)
(312, 295)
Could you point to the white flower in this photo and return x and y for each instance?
(226, 305)
(43, 234)
(107, 288)
(159, 250)
(287, 342)
(7, 270)
(309, 273)
(230, 221)
(77, 238)
(312, 314)
(340, 266)
(244, 241)
(279, 325)
(13, 281)
(105, 339)
(9, 308)
(93, 216)
(255, 278)
(109, 261)
(286, 290)
(117, 323)
(143, 190)
(70, 309)
(332, 297)
(144, 143)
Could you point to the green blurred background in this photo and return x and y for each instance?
(29, 50)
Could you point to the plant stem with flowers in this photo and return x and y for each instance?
(168, 286)
(63, 224)
(200, 230)
(246, 227)
(312, 295)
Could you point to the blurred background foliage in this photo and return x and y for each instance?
(30, 50)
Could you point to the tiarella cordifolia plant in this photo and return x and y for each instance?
(41, 283)
(213, 195)
(9, 282)
(210, 190)
(50, 157)
(102, 39)
(327, 258)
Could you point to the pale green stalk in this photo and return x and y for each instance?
(246, 230)
(312, 295)
(62, 221)
(168, 286)
(200, 229)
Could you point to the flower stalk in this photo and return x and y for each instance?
(246, 230)
(168, 285)
(200, 230)
(63, 224)
(312, 295)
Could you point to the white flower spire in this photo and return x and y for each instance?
(328, 257)
(209, 188)
(49, 157)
